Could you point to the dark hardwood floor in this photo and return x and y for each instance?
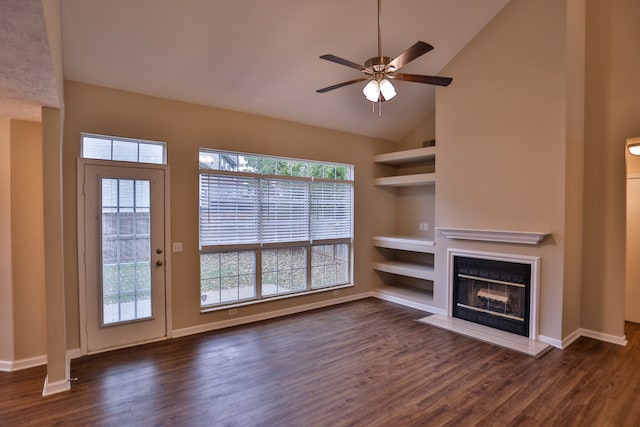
(366, 363)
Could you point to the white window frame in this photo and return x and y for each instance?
(260, 246)
(111, 140)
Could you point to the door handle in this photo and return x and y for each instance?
(159, 263)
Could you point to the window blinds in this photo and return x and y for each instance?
(229, 209)
(331, 206)
(238, 209)
(284, 210)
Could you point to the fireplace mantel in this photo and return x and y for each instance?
(521, 237)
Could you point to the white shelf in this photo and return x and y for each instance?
(406, 180)
(407, 156)
(420, 299)
(521, 237)
(405, 243)
(417, 271)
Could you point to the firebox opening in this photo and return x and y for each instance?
(492, 293)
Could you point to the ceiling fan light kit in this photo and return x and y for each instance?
(380, 91)
(380, 70)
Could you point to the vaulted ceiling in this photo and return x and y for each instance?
(252, 56)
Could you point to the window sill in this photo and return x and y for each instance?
(244, 303)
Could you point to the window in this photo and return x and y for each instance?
(272, 227)
(123, 149)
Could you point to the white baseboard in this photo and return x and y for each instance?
(265, 316)
(17, 365)
(551, 341)
(55, 387)
(32, 362)
(571, 338)
(619, 340)
(74, 353)
(581, 332)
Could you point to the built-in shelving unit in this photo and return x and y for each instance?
(408, 266)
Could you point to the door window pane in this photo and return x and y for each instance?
(126, 250)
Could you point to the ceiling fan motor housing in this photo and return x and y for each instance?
(378, 65)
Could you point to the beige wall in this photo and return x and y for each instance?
(415, 205)
(425, 130)
(27, 240)
(574, 164)
(501, 133)
(58, 366)
(22, 287)
(185, 128)
(612, 114)
(6, 288)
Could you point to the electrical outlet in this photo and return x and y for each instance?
(232, 311)
(177, 246)
(336, 292)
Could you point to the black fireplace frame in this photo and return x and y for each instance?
(496, 270)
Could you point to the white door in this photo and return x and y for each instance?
(632, 281)
(125, 256)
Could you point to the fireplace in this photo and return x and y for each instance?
(492, 292)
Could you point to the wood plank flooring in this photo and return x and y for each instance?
(366, 363)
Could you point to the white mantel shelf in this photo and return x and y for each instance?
(520, 237)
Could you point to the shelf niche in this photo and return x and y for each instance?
(406, 266)
(412, 167)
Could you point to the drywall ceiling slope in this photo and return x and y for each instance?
(262, 57)
(27, 79)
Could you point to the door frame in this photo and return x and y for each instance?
(82, 271)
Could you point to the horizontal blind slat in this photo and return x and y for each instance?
(284, 210)
(229, 209)
(331, 210)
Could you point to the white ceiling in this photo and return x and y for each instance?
(261, 57)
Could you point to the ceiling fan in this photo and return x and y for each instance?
(380, 70)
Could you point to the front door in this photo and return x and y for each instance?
(125, 256)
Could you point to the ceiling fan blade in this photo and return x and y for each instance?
(346, 62)
(339, 85)
(430, 80)
(415, 51)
